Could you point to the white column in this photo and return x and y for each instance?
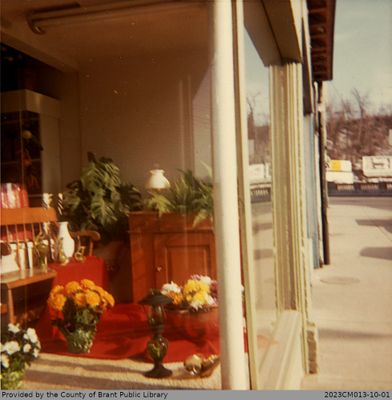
(226, 201)
(245, 210)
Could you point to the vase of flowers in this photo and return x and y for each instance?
(19, 348)
(194, 308)
(76, 309)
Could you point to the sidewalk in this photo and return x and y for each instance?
(352, 298)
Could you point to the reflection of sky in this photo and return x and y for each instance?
(363, 50)
(256, 82)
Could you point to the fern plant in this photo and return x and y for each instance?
(188, 195)
(100, 201)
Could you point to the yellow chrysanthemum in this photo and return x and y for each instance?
(193, 286)
(57, 301)
(109, 299)
(190, 286)
(80, 299)
(200, 297)
(72, 287)
(57, 289)
(92, 298)
(87, 284)
(177, 298)
(100, 291)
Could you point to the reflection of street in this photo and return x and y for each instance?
(352, 298)
(264, 266)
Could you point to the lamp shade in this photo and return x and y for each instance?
(157, 180)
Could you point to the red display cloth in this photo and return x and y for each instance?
(123, 331)
(92, 268)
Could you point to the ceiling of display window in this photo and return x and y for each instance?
(157, 29)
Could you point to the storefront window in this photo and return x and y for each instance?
(260, 164)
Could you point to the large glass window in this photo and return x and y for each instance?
(260, 164)
(140, 95)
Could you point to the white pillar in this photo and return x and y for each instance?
(226, 201)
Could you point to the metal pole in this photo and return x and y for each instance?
(226, 218)
(323, 181)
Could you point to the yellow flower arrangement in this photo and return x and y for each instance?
(78, 306)
(72, 287)
(198, 293)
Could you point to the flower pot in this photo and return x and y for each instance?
(12, 380)
(80, 340)
(194, 326)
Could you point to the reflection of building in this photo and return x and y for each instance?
(377, 166)
(144, 82)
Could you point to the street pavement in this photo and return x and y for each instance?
(352, 298)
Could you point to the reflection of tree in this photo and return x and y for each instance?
(354, 132)
(262, 145)
(259, 134)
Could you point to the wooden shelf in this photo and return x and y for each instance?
(19, 279)
(25, 277)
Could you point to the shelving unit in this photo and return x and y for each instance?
(30, 149)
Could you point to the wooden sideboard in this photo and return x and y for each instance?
(168, 248)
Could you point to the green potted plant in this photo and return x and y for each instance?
(101, 202)
(188, 195)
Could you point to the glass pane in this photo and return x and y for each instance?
(135, 108)
(257, 98)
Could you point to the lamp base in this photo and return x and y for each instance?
(159, 371)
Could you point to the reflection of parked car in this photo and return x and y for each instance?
(259, 173)
(340, 171)
(260, 182)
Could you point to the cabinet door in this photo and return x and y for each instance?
(178, 256)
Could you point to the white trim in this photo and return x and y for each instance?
(289, 200)
(282, 367)
(244, 204)
(226, 217)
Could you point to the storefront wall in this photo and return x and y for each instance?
(148, 108)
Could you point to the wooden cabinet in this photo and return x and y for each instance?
(168, 248)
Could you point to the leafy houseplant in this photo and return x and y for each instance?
(100, 201)
(188, 195)
(18, 349)
(76, 309)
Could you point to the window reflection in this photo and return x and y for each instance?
(261, 182)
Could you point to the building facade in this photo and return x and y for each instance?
(180, 84)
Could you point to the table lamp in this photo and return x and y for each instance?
(157, 180)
